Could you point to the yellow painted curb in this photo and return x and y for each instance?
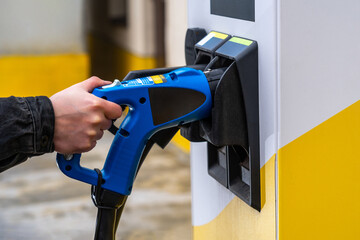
(41, 75)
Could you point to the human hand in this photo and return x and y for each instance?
(80, 117)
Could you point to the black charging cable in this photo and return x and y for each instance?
(108, 203)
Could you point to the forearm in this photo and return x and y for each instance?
(26, 127)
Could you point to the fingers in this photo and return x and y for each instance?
(81, 117)
(87, 148)
(99, 135)
(105, 124)
(92, 83)
(90, 140)
(111, 110)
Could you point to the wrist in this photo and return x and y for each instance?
(44, 123)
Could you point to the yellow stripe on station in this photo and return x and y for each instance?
(319, 181)
(240, 221)
(41, 75)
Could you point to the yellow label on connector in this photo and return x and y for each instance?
(241, 41)
(219, 35)
(212, 35)
(158, 79)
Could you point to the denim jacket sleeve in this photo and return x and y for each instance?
(26, 128)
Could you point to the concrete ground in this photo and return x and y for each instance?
(38, 202)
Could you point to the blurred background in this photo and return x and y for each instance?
(48, 45)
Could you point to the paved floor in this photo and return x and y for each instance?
(38, 202)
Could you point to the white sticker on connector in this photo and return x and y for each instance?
(138, 82)
(205, 39)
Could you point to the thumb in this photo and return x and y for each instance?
(93, 82)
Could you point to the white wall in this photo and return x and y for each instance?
(138, 37)
(175, 30)
(41, 26)
(140, 34)
(319, 64)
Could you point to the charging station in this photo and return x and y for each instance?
(309, 112)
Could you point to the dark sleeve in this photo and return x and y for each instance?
(26, 129)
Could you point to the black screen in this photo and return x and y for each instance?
(241, 9)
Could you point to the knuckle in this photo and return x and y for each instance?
(108, 124)
(96, 120)
(88, 145)
(99, 135)
(91, 134)
(94, 78)
(95, 103)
